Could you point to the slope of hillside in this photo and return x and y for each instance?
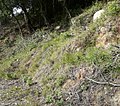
(77, 67)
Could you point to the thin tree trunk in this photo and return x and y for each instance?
(27, 19)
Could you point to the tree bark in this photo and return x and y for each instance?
(27, 19)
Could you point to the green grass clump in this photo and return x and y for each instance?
(113, 8)
(90, 55)
(72, 58)
(27, 79)
(60, 102)
(97, 56)
(49, 99)
(14, 75)
(47, 90)
(60, 80)
(6, 63)
(49, 51)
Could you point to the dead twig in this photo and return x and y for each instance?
(103, 83)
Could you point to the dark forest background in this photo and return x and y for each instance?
(41, 12)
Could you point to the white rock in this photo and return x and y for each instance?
(98, 14)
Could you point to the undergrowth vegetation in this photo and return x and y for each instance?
(48, 61)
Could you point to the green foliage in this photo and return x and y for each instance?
(72, 58)
(11, 76)
(52, 57)
(97, 56)
(47, 90)
(60, 80)
(49, 99)
(60, 102)
(91, 55)
(113, 8)
(6, 62)
(27, 79)
(55, 98)
(16, 74)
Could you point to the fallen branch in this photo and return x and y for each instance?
(103, 83)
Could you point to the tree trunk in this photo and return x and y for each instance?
(27, 19)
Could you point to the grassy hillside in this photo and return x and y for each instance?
(75, 67)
